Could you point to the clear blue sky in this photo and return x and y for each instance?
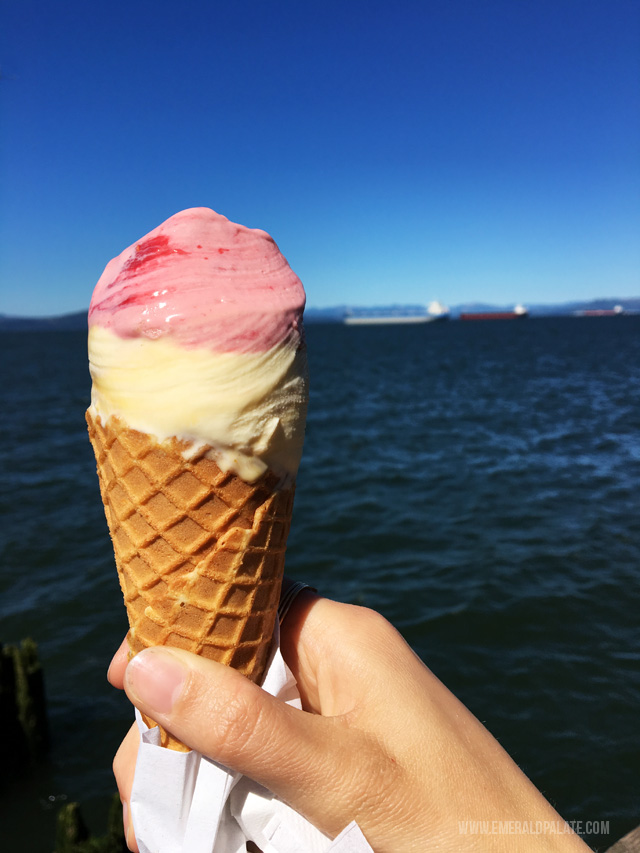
(397, 151)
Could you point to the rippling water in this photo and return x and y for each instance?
(477, 483)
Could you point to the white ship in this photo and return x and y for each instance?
(435, 311)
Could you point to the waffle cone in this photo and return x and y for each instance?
(199, 552)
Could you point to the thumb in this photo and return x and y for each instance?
(221, 714)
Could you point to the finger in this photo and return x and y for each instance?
(316, 635)
(295, 630)
(115, 673)
(124, 765)
(223, 715)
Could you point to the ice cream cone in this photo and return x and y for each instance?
(199, 552)
(198, 404)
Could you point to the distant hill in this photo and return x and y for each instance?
(326, 315)
(336, 314)
(65, 323)
(632, 304)
(566, 308)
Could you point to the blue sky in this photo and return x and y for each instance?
(398, 152)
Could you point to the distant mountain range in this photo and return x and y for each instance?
(338, 312)
(78, 320)
(65, 323)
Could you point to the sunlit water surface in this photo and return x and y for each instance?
(476, 483)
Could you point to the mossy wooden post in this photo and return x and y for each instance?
(30, 699)
(13, 744)
(70, 829)
(72, 835)
(23, 714)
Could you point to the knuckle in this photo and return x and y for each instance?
(238, 720)
(371, 626)
(374, 787)
(374, 620)
(365, 617)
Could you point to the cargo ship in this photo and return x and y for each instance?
(518, 313)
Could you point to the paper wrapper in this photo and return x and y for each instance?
(185, 803)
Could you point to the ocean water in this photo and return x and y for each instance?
(478, 483)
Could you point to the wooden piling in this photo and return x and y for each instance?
(72, 835)
(23, 714)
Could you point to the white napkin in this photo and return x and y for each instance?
(182, 802)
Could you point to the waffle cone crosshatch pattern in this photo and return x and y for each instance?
(200, 553)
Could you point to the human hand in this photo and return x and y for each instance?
(379, 740)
